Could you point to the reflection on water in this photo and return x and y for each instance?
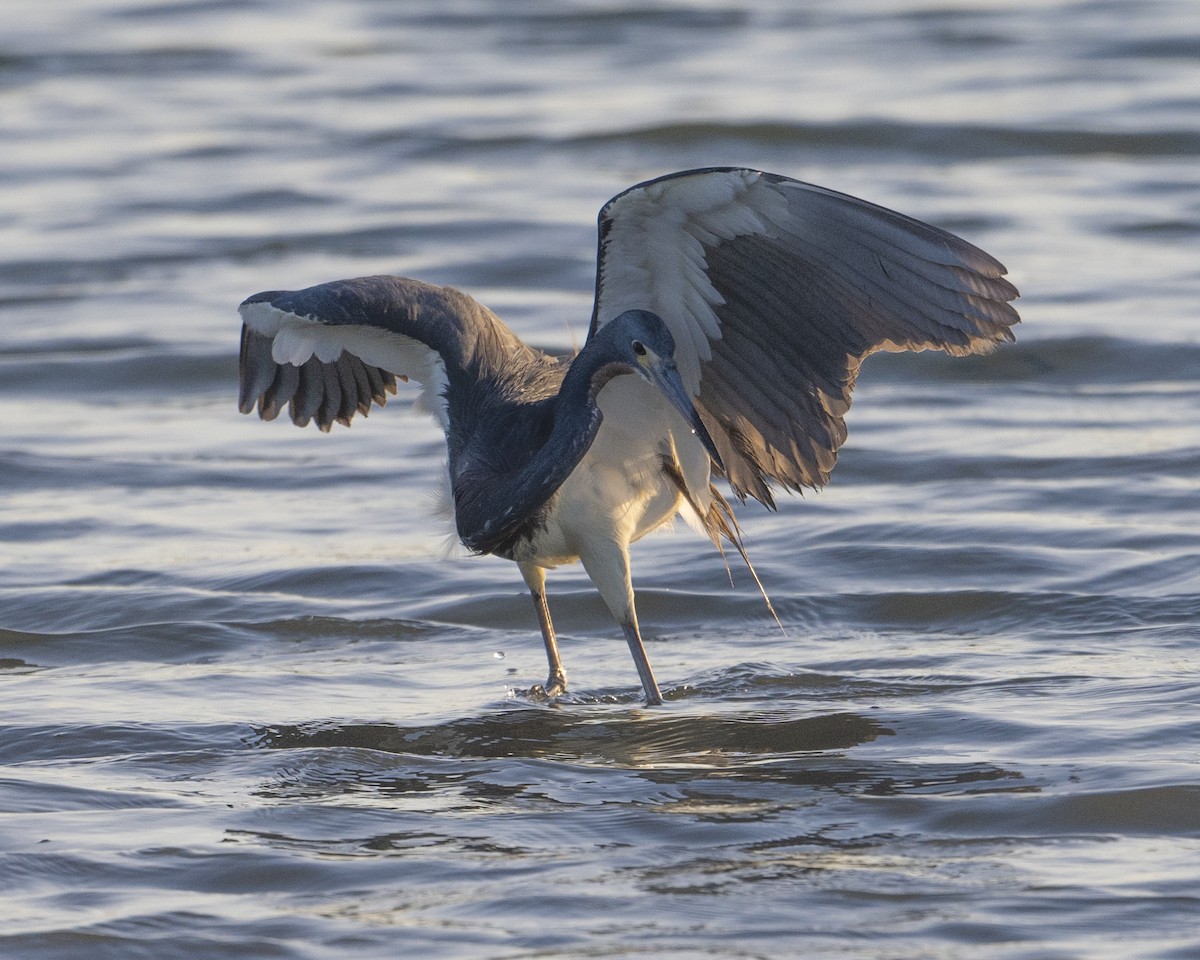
(251, 711)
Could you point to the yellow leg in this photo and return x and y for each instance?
(556, 680)
(608, 566)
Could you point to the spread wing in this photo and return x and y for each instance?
(775, 291)
(330, 351)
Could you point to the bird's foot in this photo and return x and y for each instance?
(553, 687)
(654, 697)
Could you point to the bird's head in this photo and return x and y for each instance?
(642, 341)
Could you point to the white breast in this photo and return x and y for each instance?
(619, 491)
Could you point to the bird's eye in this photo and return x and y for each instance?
(639, 348)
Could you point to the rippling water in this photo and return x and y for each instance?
(252, 710)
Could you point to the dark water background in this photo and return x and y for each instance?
(249, 708)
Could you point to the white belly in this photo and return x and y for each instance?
(619, 492)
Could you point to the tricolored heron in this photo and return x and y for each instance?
(733, 308)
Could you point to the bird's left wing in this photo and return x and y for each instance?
(330, 351)
(775, 291)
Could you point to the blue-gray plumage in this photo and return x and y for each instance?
(733, 309)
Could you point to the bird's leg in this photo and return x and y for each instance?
(556, 681)
(608, 566)
(634, 637)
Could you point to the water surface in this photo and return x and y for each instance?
(251, 707)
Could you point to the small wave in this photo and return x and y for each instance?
(1168, 810)
(1086, 361)
(927, 141)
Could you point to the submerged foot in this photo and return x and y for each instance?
(552, 688)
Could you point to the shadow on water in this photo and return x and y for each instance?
(628, 738)
(610, 775)
(697, 754)
(766, 750)
(749, 727)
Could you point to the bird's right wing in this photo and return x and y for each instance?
(330, 351)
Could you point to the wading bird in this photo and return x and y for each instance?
(733, 308)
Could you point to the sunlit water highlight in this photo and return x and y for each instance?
(250, 708)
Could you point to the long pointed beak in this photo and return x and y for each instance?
(665, 375)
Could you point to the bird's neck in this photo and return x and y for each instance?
(492, 520)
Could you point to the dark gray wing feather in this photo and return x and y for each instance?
(327, 392)
(329, 352)
(775, 291)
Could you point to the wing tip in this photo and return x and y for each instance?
(324, 392)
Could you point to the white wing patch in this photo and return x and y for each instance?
(654, 253)
(298, 339)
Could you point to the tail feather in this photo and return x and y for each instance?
(722, 527)
(721, 524)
